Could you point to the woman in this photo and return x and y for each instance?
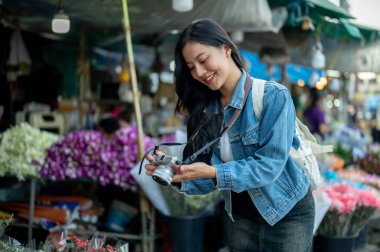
(315, 115)
(266, 194)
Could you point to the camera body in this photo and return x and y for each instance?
(164, 173)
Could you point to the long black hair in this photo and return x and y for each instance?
(204, 124)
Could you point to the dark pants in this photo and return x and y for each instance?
(294, 233)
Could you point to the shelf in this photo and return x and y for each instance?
(106, 101)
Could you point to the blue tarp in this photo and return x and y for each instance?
(294, 72)
(257, 69)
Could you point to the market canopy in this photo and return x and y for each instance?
(315, 7)
(101, 20)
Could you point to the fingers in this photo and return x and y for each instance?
(158, 152)
(149, 158)
(149, 168)
(177, 169)
(183, 173)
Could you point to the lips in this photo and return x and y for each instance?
(208, 79)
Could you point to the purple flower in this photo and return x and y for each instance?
(88, 153)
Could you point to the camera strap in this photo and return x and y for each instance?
(192, 157)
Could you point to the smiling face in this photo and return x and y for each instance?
(209, 65)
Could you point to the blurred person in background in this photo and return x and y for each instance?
(315, 115)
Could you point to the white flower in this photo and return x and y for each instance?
(22, 148)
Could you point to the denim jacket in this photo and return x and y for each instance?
(262, 164)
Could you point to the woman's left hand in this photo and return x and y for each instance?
(195, 171)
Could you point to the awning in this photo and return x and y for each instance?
(341, 29)
(316, 7)
(327, 8)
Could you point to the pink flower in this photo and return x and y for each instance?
(367, 198)
(343, 198)
(349, 211)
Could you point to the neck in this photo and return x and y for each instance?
(227, 90)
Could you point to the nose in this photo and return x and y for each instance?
(199, 70)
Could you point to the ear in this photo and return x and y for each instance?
(227, 50)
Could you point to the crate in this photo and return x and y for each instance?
(48, 121)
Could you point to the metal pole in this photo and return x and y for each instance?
(32, 198)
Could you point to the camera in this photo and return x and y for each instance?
(164, 173)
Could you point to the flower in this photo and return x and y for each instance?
(75, 244)
(71, 244)
(349, 211)
(90, 154)
(23, 149)
(367, 204)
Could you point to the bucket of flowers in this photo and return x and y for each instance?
(349, 212)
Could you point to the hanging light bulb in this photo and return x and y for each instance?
(60, 22)
(318, 59)
(182, 5)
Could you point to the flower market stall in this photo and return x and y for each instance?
(352, 184)
(83, 155)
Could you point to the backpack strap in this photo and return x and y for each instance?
(306, 134)
(257, 96)
(257, 100)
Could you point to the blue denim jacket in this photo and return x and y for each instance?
(262, 164)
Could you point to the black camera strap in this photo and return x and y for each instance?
(192, 157)
(154, 149)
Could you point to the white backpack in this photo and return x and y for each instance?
(305, 155)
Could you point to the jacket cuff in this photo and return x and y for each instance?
(223, 176)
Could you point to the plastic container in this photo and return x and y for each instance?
(119, 216)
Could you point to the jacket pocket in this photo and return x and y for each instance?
(245, 142)
(250, 135)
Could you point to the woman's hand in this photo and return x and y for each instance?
(194, 171)
(150, 167)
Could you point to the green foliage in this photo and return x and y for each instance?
(344, 154)
(185, 205)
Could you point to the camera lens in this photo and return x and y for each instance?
(163, 175)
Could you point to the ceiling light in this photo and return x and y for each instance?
(60, 22)
(366, 75)
(182, 5)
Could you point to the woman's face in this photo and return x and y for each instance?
(208, 64)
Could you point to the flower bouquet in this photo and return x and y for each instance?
(350, 210)
(97, 243)
(72, 243)
(370, 163)
(23, 149)
(90, 154)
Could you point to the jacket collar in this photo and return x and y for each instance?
(238, 96)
